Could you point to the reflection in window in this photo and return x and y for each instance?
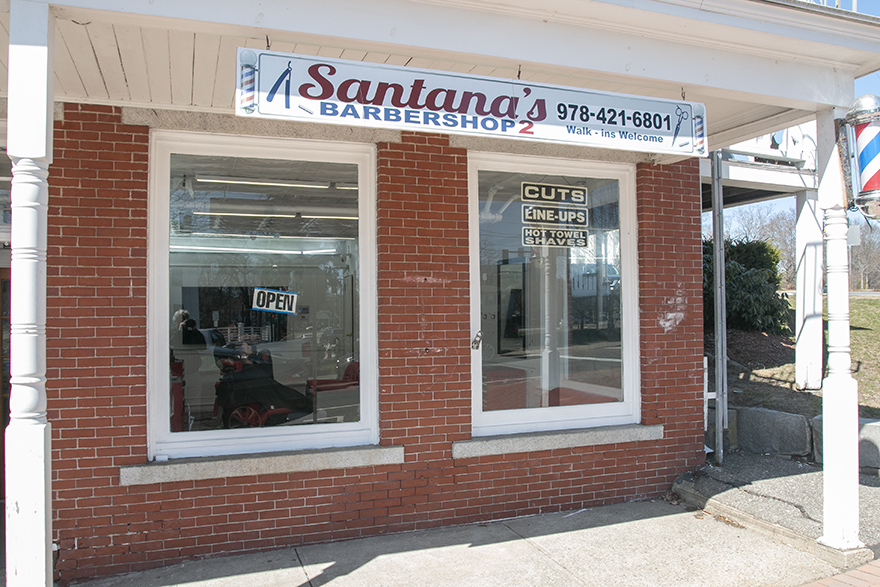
(263, 307)
(5, 196)
(5, 203)
(550, 290)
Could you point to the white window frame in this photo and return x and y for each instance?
(525, 420)
(5, 230)
(162, 443)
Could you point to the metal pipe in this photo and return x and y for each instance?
(720, 308)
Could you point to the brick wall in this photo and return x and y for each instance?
(97, 390)
(96, 322)
(671, 303)
(424, 324)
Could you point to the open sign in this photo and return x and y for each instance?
(269, 300)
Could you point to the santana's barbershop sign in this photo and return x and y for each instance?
(335, 91)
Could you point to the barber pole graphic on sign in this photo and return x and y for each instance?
(270, 300)
(868, 147)
(248, 60)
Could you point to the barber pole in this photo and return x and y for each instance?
(868, 153)
(865, 121)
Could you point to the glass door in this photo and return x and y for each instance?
(550, 297)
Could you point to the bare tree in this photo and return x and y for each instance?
(759, 222)
(865, 258)
(707, 226)
(783, 231)
(751, 222)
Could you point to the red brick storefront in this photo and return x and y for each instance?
(97, 375)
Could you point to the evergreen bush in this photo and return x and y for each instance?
(752, 279)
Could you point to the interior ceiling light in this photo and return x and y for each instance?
(271, 236)
(274, 182)
(320, 238)
(297, 215)
(232, 235)
(197, 249)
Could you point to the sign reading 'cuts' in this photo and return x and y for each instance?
(554, 215)
(318, 89)
(270, 300)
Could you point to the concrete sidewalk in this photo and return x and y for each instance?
(650, 543)
(782, 498)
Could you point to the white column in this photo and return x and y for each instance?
(840, 424)
(808, 295)
(29, 145)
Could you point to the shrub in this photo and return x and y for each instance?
(752, 279)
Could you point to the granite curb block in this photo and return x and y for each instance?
(763, 431)
(844, 559)
(771, 432)
(869, 443)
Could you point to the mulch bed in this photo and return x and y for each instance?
(755, 350)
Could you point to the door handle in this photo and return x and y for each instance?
(478, 338)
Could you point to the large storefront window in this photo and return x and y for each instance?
(263, 299)
(552, 279)
(263, 292)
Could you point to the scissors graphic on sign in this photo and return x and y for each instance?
(682, 115)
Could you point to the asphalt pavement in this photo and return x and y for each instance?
(750, 523)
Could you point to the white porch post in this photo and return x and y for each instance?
(29, 144)
(808, 296)
(840, 425)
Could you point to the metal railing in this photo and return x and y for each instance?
(850, 5)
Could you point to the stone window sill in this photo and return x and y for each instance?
(196, 469)
(537, 441)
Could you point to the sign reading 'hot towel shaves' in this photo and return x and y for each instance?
(336, 91)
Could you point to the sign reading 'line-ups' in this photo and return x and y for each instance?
(270, 300)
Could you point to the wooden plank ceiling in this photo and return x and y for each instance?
(125, 63)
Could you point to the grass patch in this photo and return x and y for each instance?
(762, 370)
(864, 319)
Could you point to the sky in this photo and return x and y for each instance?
(864, 6)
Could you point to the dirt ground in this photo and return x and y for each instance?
(761, 374)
